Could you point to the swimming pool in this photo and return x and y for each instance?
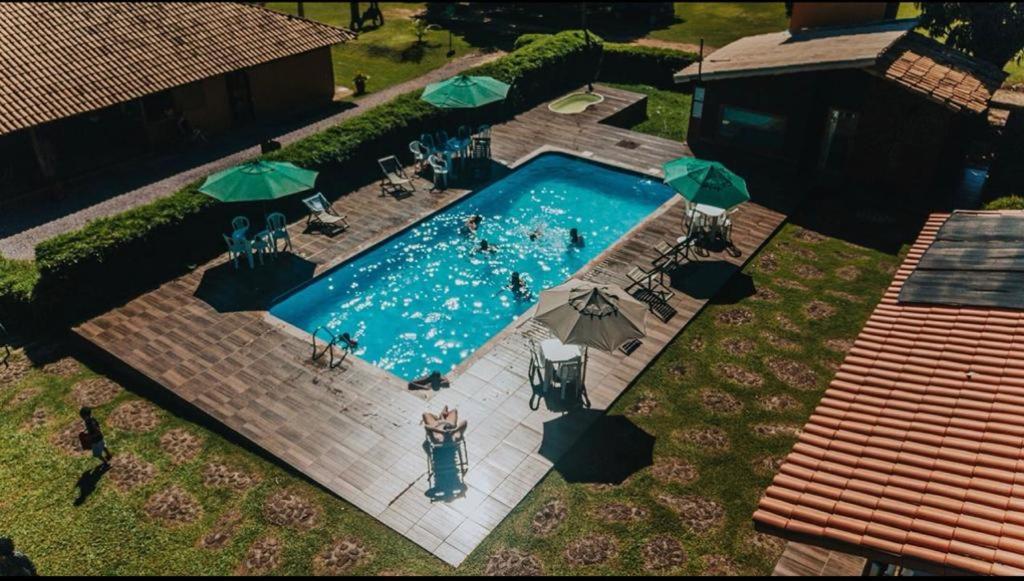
(427, 298)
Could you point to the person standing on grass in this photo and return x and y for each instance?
(13, 563)
(95, 437)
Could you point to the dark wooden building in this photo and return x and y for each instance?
(868, 104)
(88, 85)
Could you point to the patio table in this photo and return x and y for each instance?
(553, 354)
(712, 218)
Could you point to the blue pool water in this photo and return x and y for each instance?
(426, 299)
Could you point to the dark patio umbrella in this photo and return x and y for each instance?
(589, 446)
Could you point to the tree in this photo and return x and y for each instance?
(993, 31)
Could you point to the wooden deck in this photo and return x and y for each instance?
(356, 430)
(799, 560)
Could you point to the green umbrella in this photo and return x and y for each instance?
(258, 181)
(465, 92)
(706, 182)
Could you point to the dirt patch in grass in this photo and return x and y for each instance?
(808, 272)
(64, 367)
(39, 418)
(221, 475)
(802, 253)
(643, 407)
(792, 373)
(619, 513)
(128, 471)
(674, 470)
(787, 325)
(770, 546)
(848, 273)
(819, 310)
(738, 346)
(549, 517)
(173, 507)
(719, 402)
(590, 550)
(736, 316)
(778, 402)
(739, 375)
(809, 235)
(719, 566)
(767, 465)
(678, 369)
(17, 368)
(663, 552)
(222, 532)
(263, 556)
(778, 342)
(181, 445)
(767, 261)
(340, 557)
(839, 345)
(95, 392)
(765, 294)
(25, 395)
(790, 284)
(134, 416)
(777, 430)
(67, 441)
(850, 298)
(288, 508)
(711, 440)
(697, 344)
(698, 514)
(513, 563)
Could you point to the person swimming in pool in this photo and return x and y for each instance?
(518, 286)
(486, 246)
(473, 223)
(575, 239)
(536, 233)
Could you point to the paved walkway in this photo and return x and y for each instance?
(121, 189)
(356, 429)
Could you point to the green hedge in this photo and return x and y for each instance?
(87, 270)
(649, 65)
(1012, 202)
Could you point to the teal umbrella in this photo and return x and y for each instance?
(706, 182)
(258, 181)
(465, 92)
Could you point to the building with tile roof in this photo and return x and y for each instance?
(915, 455)
(851, 98)
(111, 78)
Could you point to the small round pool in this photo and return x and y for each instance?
(575, 103)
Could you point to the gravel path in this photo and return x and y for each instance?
(121, 189)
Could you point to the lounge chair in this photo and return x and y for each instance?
(445, 431)
(277, 227)
(673, 255)
(646, 281)
(323, 216)
(395, 181)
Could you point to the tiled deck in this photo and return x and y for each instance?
(356, 429)
(799, 560)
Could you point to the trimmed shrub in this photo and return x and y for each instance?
(18, 280)
(1012, 202)
(649, 65)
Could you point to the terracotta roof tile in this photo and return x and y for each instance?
(61, 59)
(907, 453)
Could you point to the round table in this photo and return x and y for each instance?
(554, 353)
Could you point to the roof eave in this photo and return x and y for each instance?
(683, 76)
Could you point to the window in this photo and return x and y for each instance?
(698, 102)
(752, 130)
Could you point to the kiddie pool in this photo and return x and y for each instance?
(575, 103)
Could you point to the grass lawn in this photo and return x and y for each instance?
(668, 112)
(720, 23)
(717, 441)
(390, 54)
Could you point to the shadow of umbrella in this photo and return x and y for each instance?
(702, 279)
(229, 290)
(591, 447)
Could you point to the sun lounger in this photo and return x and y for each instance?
(673, 255)
(395, 180)
(648, 281)
(323, 216)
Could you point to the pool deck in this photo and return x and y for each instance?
(356, 429)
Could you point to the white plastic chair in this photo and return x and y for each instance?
(483, 132)
(261, 245)
(237, 248)
(427, 140)
(420, 153)
(277, 226)
(439, 165)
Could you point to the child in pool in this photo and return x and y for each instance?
(575, 239)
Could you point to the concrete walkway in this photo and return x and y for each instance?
(120, 189)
